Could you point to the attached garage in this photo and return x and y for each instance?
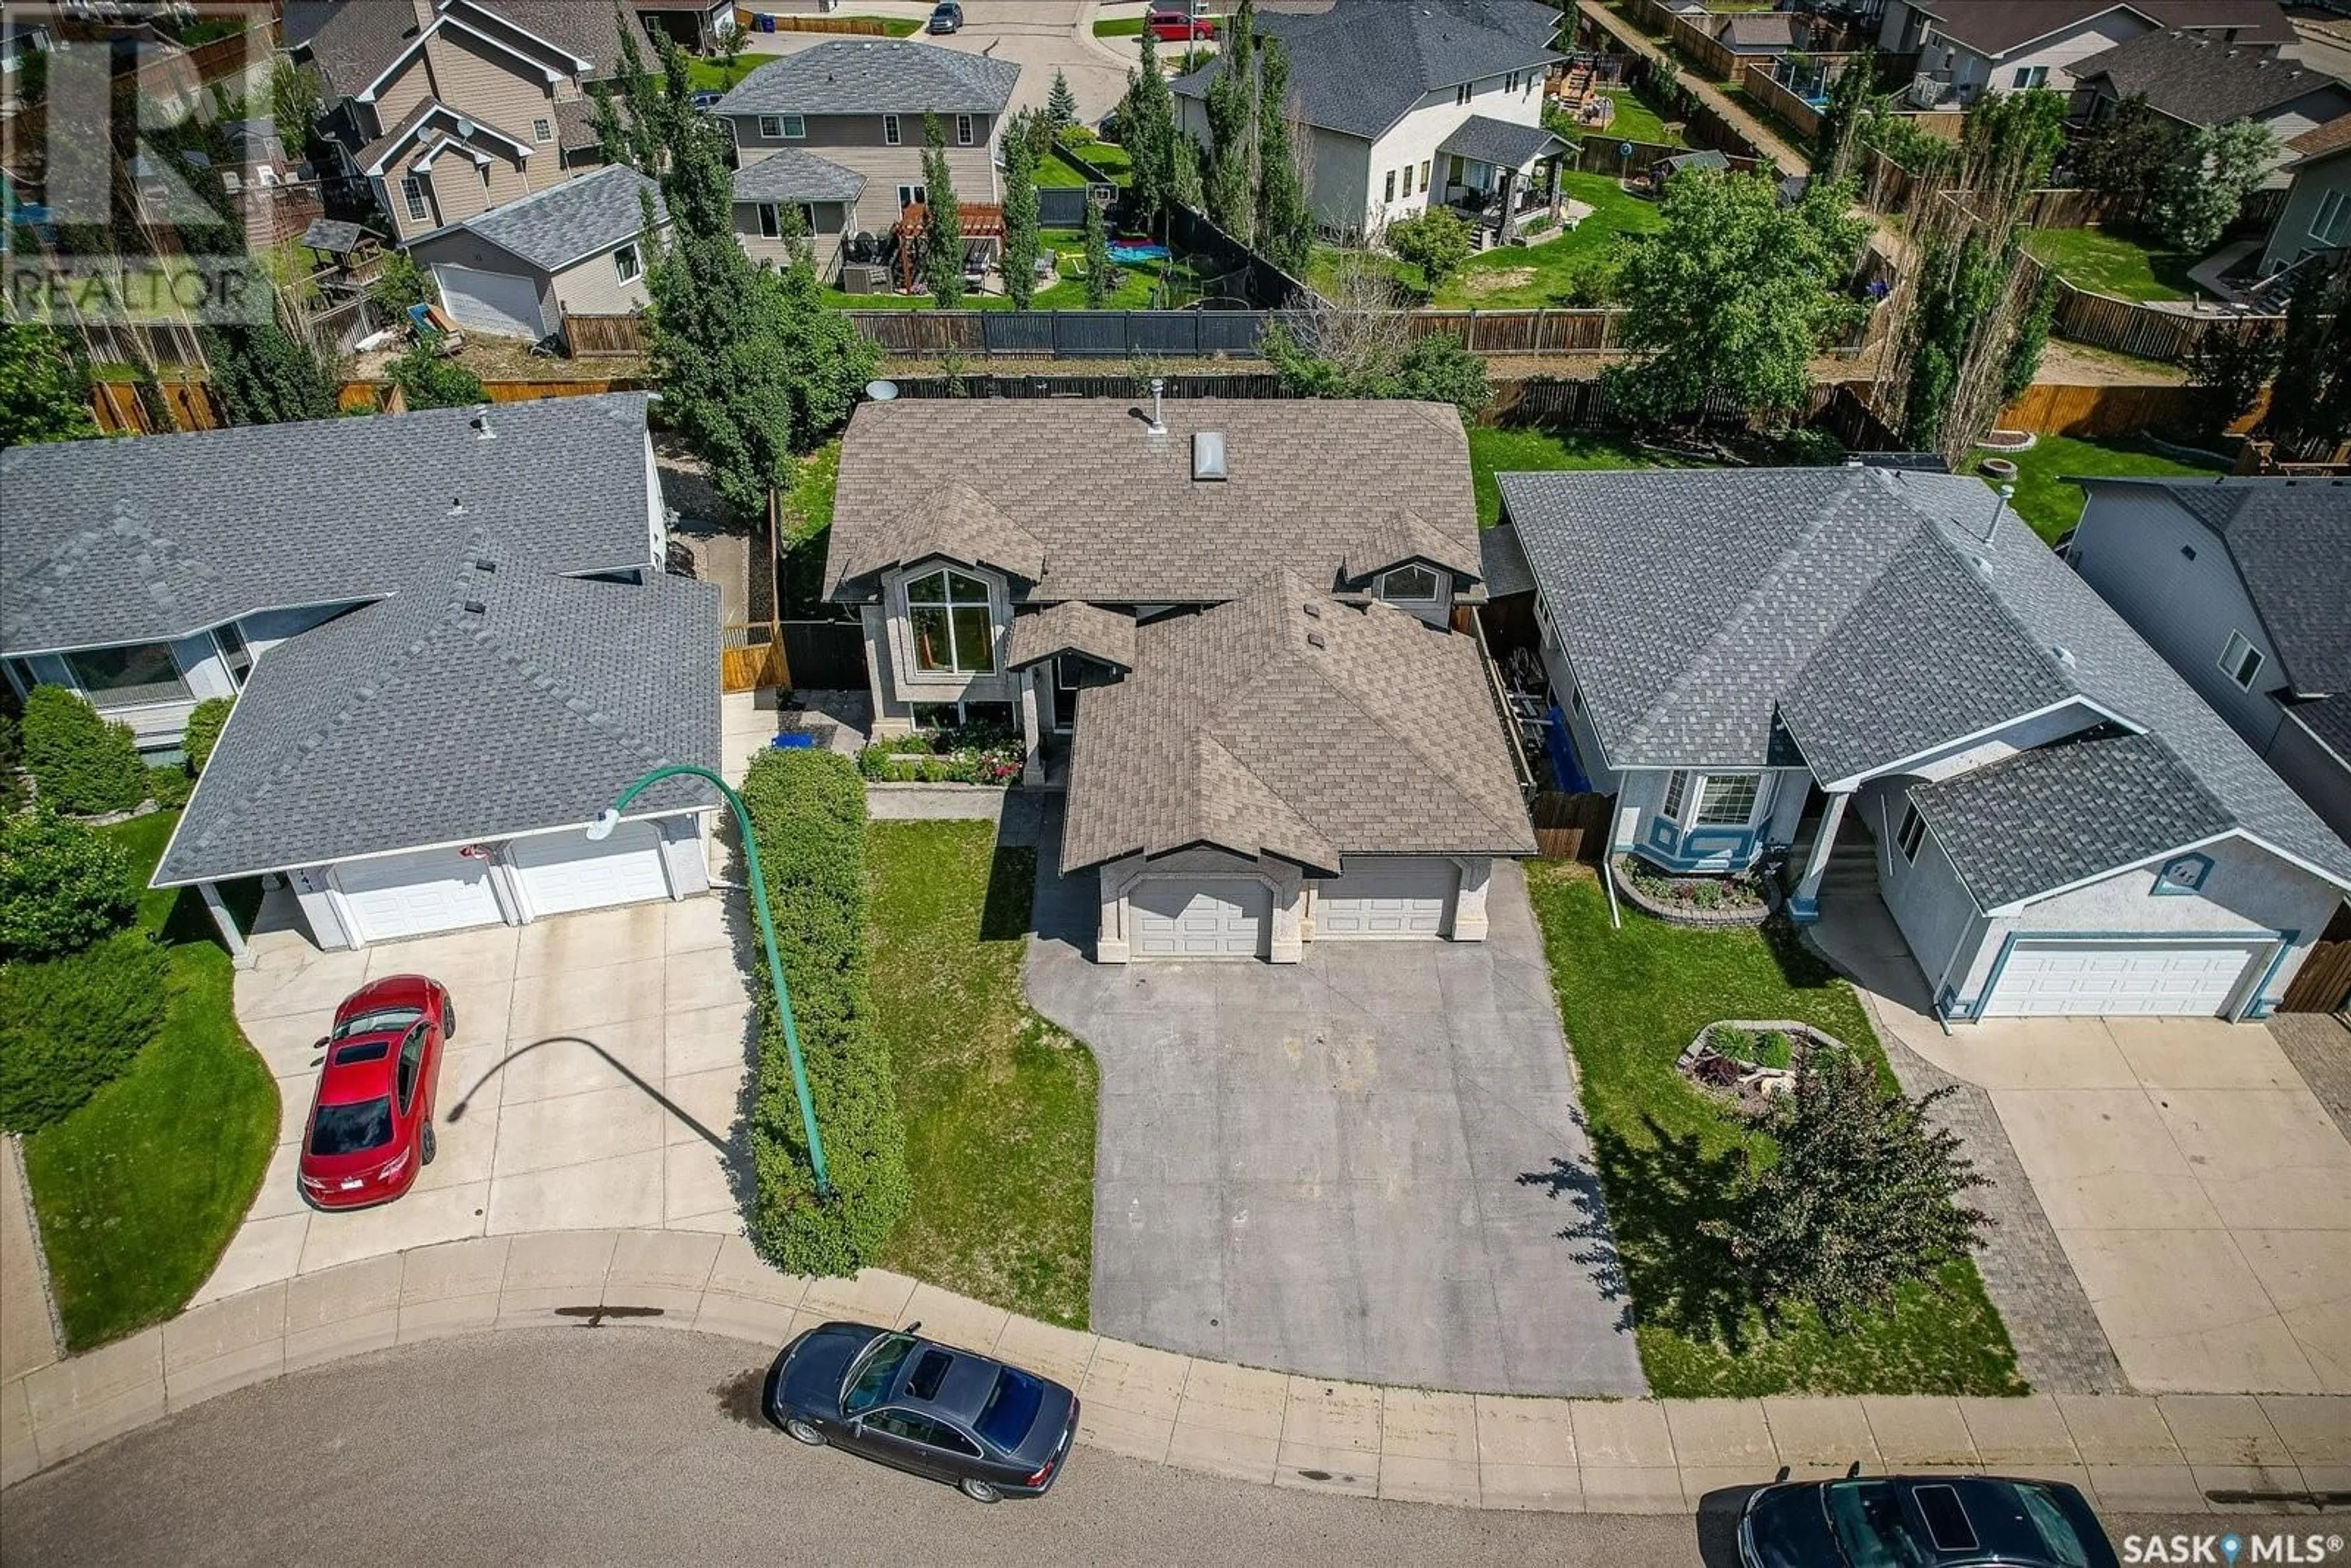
(504, 303)
(392, 896)
(2044, 977)
(1200, 916)
(1377, 899)
(559, 872)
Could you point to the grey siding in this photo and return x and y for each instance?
(2291, 236)
(1937, 916)
(593, 287)
(471, 251)
(855, 142)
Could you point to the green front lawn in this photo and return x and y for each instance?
(1631, 1000)
(2044, 498)
(140, 1190)
(2106, 262)
(1131, 27)
(1493, 450)
(999, 1104)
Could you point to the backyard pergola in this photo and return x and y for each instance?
(983, 222)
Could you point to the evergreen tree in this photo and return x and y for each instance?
(1285, 222)
(44, 390)
(1232, 132)
(2311, 405)
(1020, 214)
(265, 374)
(637, 136)
(942, 220)
(1146, 126)
(1060, 104)
(1099, 279)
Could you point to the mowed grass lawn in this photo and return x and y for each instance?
(140, 1190)
(999, 1105)
(1637, 121)
(1522, 278)
(1494, 450)
(1138, 283)
(1631, 1000)
(2108, 263)
(2045, 499)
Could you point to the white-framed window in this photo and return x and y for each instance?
(627, 264)
(1409, 585)
(1728, 800)
(2240, 661)
(236, 657)
(1407, 180)
(771, 128)
(1461, 94)
(953, 630)
(912, 196)
(963, 130)
(1425, 164)
(412, 195)
(2032, 76)
(542, 131)
(129, 676)
(807, 217)
(770, 223)
(1676, 790)
(1912, 834)
(889, 131)
(2331, 224)
(792, 127)
(1390, 196)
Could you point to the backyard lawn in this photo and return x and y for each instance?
(1635, 121)
(1631, 1000)
(2108, 263)
(2052, 506)
(1135, 290)
(999, 1105)
(1523, 277)
(1498, 450)
(140, 1190)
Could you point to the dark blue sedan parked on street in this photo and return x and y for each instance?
(951, 1414)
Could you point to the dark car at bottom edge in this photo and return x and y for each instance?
(951, 1414)
(1922, 1522)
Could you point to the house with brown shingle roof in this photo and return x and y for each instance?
(1226, 627)
(1969, 47)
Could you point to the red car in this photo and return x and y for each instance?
(1173, 25)
(370, 1129)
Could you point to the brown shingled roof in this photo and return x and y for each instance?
(1072, 626)
(954, 521)
(1993, 27)
(2319, 140)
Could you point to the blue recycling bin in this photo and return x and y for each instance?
(795, 741)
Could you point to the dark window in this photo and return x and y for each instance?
(2067, 1547)
(383, 1021)
(923, 1430)
(808, 217)
(948, 614)
(1011, 1408)
(890, 130)
(374, 1051)
(874, 1371)
(234, 653)
(770, 223)
(963, 130)
(1946, 1521)
(930, 1371)
(127, 676)
(1409, 585)
(351, 1129)
(1913, 834)
(412, 1066)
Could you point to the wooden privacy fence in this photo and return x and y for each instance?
(751, 655)
(863, 27)
(1571, 827)
(1795, 109)
(118, 409)
(599, 337)
(2323, 985)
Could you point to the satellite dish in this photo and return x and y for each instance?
(881, 391)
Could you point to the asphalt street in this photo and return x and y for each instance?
(616, 1444)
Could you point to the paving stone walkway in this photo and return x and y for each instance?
(2320, 1049)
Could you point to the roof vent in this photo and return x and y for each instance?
(1316, 639)
(486, 565)
(482, 430)
(1208, 455)
(1313, 610)
(1158, 426)
(457, 505)
(475, 606)
(1982, 565)
(2064, 654)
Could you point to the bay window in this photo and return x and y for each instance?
(953, 631)
(1728, 800)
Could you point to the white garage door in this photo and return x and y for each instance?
(1199, 917)
(563, 872)
(490, 301)
(1390, 900)
(2156, 978)
(416, 894)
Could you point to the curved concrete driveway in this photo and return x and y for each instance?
(1368, 1166)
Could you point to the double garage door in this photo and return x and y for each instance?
(1404, 899)
(2048, 978)
(428, 891)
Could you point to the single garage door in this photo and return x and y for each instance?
(559, 872)
(1199, 917)
(492, 302)
(2043, 979)
(416, 894)
(1386, 900)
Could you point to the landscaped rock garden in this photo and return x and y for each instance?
(1741, 899)
(1749, 1060)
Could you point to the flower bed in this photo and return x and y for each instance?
(1750, 1060)
(1739, 899)
(969, 754)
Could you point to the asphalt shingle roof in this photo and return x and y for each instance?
(792, 175)
(1285, 722)
(1072, 626)
(124, 542)
(553, 228)
(1995, 26)
(1868, 615)
(876, 76)
(1114, 511)
(1400, 534)
(1763, 31)
(1501, 143)
(2202, 80)
(1503, 563)
(361, 38)
(1360, 66)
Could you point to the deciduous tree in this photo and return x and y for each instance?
(44, 390)
(1233, 131)
(1435, 241)
(2310, 408)
(1100, 279)
(1147, 127)
(2199, 194)
(2126, 154)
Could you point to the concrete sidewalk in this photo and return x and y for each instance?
(28, 1337)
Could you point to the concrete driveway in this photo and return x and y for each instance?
(594, 1082)
(2200, 1191)
(1370, 1164)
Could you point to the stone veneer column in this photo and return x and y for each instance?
(1470, 902)
(1032, 766)
(1110, 936)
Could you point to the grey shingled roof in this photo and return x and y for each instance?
(2203, 80)
(332, 235)
(1504, 563)
(1501, 143)
(1868, 615)
(122, 541)
(563, 224)
(1288, 723)
(1071, 627)
(1361, 66)
(876, 76)
(1763, 30)
(419, 720)
(2330, 720)
(1995, 26)
(1114, 510)
(792, 175)
(2290, 541)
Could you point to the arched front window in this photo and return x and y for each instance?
(948, 612)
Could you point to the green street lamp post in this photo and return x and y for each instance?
(601, 828)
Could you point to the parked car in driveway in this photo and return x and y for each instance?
(1922, 1522)
(370, 1126)
(1178, 24)
(946, 16)
(954, 1416)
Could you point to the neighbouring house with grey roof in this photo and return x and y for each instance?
(1226, 627)
(1758, 658)
(1438, 101)
(449, 638)
(853, 109)
(2244, 586)
(2197, 80)
(789, 181)
(1968, 47)
(574, 249)
(2315, 221)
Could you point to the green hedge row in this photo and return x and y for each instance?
(808, 809)
(82, 764)
(73, 1025)
(63, 886)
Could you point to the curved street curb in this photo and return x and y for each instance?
(2133, 1454)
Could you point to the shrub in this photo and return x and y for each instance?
(427, 381)
(62, 887)
(170, 787)
(73, 1025)
(964, 754)
(12, 756)
(807, 810)
(81, 762)
(204, 731)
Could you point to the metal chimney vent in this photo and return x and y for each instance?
(1208, 455)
